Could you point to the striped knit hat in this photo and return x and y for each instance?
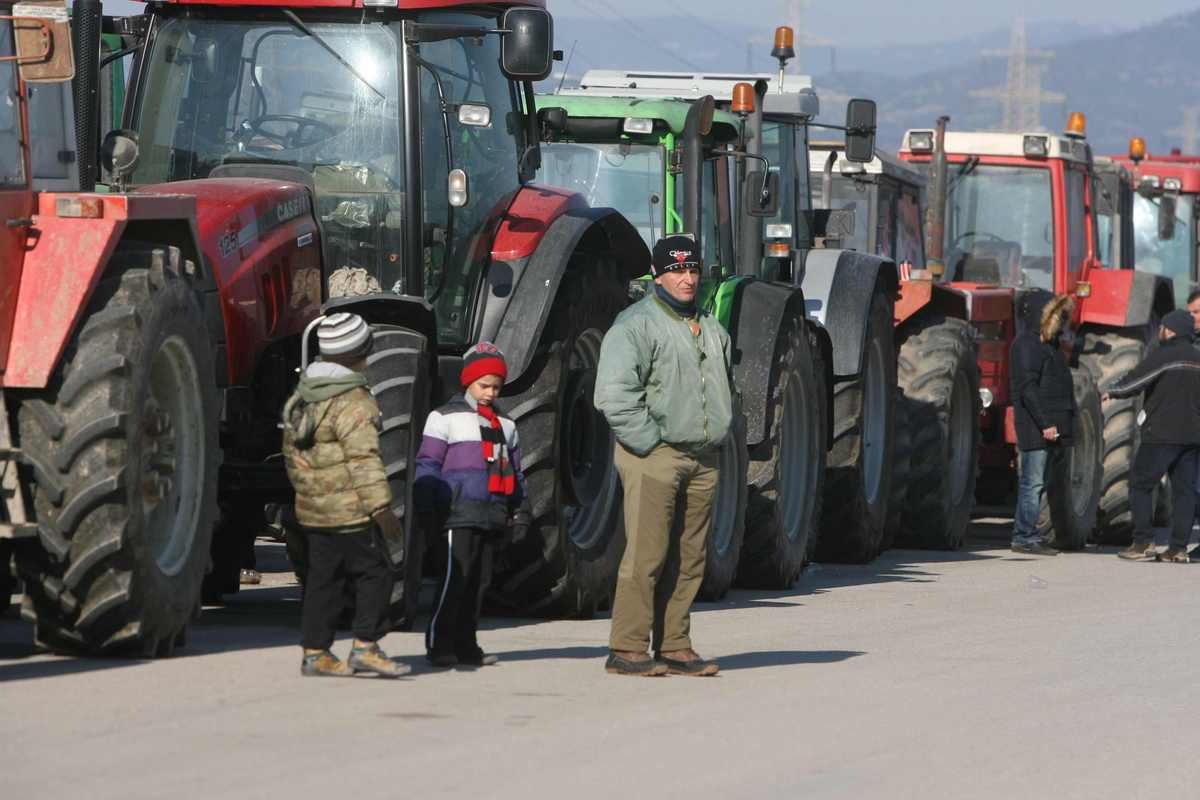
(343, 334)
(482, 359)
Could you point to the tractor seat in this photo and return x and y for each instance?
(975, 269)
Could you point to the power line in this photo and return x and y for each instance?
(637, 32)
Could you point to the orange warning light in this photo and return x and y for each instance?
(1137, 149)
(743, 99)
(1077, 124)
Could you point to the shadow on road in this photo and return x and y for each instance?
(269, 615)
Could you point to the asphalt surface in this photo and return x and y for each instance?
(977, 674)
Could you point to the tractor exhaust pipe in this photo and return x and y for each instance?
(86, 19)
(695, 128)
(935, 223)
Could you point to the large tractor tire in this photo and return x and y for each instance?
(858, 476)
(123, 452)
(398, 369)
(939, 377)
(567, 566)
(902, 445)
(1108, 355)
(726, 531)
(1071, 499)
(787, 470)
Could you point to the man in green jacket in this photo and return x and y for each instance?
(343, 502)
(663, 383)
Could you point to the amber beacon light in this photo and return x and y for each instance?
(1077, 125)
(743, 99)
(1137, 149)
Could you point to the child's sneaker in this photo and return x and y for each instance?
(325, 665)
(373, 659)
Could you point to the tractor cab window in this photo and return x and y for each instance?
(1000, 226)
(1074, 180)
(220, 95)
(1171, 257)
(455, 73)
(12, 163)
(624, 176)
(785, 145)
(910, 241)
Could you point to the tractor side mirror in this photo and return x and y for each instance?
(43, 43)
(206, 60)
(119, 155)
(860, 130)
(527, 45)
(1166, 217)
(761, 199)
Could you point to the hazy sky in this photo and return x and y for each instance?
(844, 22)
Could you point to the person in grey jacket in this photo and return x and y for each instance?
(663, 383)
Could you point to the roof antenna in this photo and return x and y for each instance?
(566, 64)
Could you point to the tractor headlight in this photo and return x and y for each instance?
(986, 397)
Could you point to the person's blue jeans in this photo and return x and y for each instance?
(1035, 472)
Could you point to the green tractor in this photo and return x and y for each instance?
(675, 165)
(850, 295)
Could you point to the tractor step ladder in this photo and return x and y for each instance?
(15, 524)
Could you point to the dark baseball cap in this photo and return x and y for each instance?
(675, 252)
(1178, 322)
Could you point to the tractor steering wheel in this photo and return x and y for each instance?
(293, 140)
(991, 237)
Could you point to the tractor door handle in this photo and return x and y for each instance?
(20, 222)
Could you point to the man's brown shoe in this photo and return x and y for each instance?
(630, 662)
(1138, 551)
(373, 659)
(324, 664)
(1175, 555)
(688, 662)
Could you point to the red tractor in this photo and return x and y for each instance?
(277, 161)
(1166, 215)
(1012, 212)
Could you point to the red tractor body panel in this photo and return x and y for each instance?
(1185, 169)
(15, 204)
(65, 257)
(1108, 303)
(529, 217)
(261, 241)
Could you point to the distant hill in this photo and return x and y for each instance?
(1129, 83)
(1135, 83)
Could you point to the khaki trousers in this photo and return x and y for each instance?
(663, 564)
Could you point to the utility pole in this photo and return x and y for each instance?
(1189, 131)
(1022, 96)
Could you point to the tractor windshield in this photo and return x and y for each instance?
(624, 176)
(1170, 257)
(999, 226)
(324, 93)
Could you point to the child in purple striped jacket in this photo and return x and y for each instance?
(470, 486)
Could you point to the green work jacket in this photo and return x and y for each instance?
(657, 382)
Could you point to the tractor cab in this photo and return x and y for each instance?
(633, 163)
(874, 207)
(410, 126)
(1019, 209)
(1166, 215)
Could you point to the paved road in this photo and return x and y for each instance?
(976, 674)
